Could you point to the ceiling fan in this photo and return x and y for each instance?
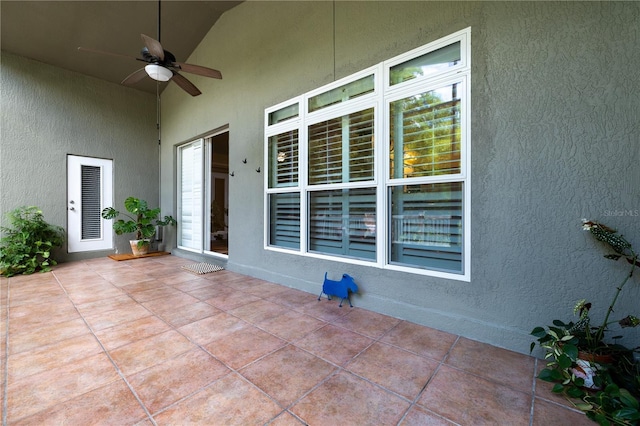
(161, 65)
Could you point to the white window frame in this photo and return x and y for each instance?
(384, 93)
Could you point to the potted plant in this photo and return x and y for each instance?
(584, 364)
(142, 221)
(27, 245)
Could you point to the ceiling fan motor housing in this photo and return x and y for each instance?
(169, 59)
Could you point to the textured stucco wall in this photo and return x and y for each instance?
(48, 113)
(555, 124)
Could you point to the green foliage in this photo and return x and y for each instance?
(26, 245)
(142, 220)
(609, 393)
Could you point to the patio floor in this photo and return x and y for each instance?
(143, 342)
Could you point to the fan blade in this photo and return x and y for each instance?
(154, 46)
(185, 84)
(198, 70)
(135, 77)
(102, 52)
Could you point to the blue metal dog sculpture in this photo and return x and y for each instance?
(339, 288)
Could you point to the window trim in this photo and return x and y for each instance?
(380, 99)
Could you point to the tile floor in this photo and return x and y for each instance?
(143, 342)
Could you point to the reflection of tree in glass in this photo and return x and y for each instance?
(341, 149)
(427, 127)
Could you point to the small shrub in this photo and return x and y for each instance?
(26, 245)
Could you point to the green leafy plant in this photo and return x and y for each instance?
(602, 374)
(26, 245)
(142, 220)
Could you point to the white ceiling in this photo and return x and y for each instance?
(52, 31)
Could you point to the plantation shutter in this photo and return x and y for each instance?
(91, 202)
(425, 134)
(190, 204)
(283, 159)
(341, 149)
(426, 226)
(284, 230)
(342, 222)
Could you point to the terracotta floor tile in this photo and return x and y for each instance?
(366, 322)
(94, 293)
(213, 327)
(123, 277)
(192, 284)
(302, 361)
(174, 379)
(54, 311)
(500, 365)
(418, 416)
(258, 311)
(227, 301)
(244, 346)
(334, 344)
(148, 284)
(347, 400)
(148, 352)
(186, 314)
(21, 340)
(45, 390)
(291, 325)
(267, 289)
(156, 293)
(287, 419)
(468, 399)
(177, 276)
(99, 306)
(292, 297)
(288, 374)
(421, 340)
(129, 332)
(120, 315)
(547, 413)
(229, 401)
(326, 310)
(113, 404)
(395, 369)
(53, 356)
(209, 291)
(169, 303)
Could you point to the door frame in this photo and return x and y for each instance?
(75, 241)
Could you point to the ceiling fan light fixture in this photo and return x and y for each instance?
(158, 72)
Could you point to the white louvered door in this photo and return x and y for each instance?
(90, 189)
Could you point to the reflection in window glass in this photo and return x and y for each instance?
(283, 114)
(433, 62)
(342, 149)
(342, 222)
(341, 94)
(426, 226)
(425, 134)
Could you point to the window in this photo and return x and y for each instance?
(374, 169)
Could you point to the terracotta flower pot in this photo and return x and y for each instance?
(139, 247)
